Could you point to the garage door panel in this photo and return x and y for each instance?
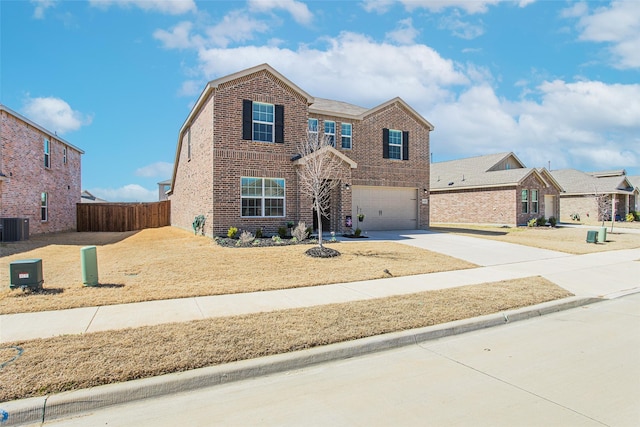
(385, 208)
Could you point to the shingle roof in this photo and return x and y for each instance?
(634, 180)
(475, 172)
(578, 182)
(331, 106)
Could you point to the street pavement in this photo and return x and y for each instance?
(573, 368)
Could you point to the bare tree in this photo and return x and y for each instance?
(318, 172)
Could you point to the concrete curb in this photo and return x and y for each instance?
(62, 405)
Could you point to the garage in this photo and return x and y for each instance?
(385, 208)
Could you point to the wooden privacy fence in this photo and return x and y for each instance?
(122, 216)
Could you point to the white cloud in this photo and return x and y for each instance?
(298, 10)
(127, 193)
(236, 26)
(178, 38)
(470, 7)
(348, 69)
(55, 115)
(404, 34)
(587, 125)
(460, 28)
(41, 7)
(379, 6)
(618, 24)
(158, 169)
(171, 7)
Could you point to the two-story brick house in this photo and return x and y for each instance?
(40, 175)
(237, 155)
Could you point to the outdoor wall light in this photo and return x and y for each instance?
(425, 190)
(347, 187)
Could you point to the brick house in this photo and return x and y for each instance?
(580, 199)
(39, 175)
(491, 189)
(237, 153)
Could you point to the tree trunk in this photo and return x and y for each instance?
(319, 216)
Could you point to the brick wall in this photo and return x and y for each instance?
(533, 183)
(22, 160)
(209, 184)
(490, 206)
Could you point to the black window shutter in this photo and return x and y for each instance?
(405, 145)
(279, 123)
(385, 143)
(247, 119)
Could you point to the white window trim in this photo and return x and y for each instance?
(47, 153)
(331, 134)
(254, 121)
(349, 137)
(64, 155)
(525, 202)
(44, 205)
(534, 202)
(262, 198)
(395, 145)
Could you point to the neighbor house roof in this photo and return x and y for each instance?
(576, 182)
(40, 128)
(634, 180)
(483, 172)
(87, 197)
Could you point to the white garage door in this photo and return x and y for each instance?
(385, 208)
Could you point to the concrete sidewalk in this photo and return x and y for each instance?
(600, 275)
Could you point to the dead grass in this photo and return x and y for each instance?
(167, 263)
(79, 361)
(562, 239)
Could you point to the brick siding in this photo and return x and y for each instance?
(209, 184)
(22, 161)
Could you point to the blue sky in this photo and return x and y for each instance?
(552, 81)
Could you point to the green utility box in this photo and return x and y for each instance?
(26, 273)
(602, 235)
(89, 261)
(592, 236)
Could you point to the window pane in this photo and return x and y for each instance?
(274, 187)
(262, 112)
(274, 207)
(251, 207)
(251, 187)
(262, 132)
(346, 135)
(395, 144)
(525, 195)
(313, 125)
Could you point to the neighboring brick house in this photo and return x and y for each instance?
(40, 175)
(580, 199)
(237, 153)
(491, 189)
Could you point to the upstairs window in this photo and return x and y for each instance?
(44, 207)
(330, 132)
(262, 197)
(64, 155)
(313, 127)
(47, 153)
(262, 122)
(395, 144)
(346, 136)
(524, 196)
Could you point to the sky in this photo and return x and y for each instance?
(555, 82)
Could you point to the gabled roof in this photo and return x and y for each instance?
(634, 180)
(87, 197)
(349, 111)
(484, 172)
(576, 182)
(52, 135)
(602, 174)
(302, 160)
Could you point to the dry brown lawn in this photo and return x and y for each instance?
(168, 262)
(563, 239)
(73, 362)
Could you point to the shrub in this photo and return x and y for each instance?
(232, 233)
(276, 239)
(246, 237)
(631, 217)
(300, 232)
(553, 221)
(541, 222)
(357, 232)
(532, 222)
(282, 232)
(575, 216)
(198, 224)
